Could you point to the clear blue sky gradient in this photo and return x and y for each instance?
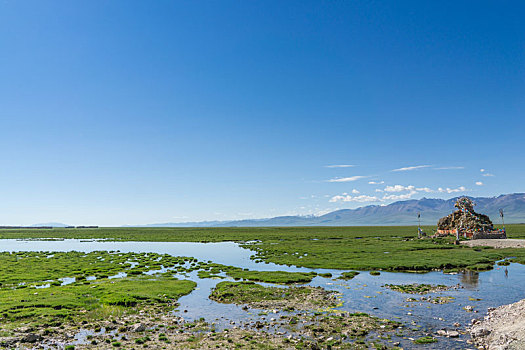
(133, 112)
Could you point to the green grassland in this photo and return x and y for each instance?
(33, 269)
(95, 301)
(32, 290)
(390, 248)
(246, 292)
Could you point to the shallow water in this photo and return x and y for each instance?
(364, 293)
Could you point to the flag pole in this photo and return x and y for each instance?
(418, 225)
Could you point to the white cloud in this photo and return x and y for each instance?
(479, 183)
(362, 199)
(452, 190)
(376, 182)
(482, 170)
(399, 188)
(487, 174)
(450, 168)
(347, 179)
(379, 190)
(424, 189)
(339, 166)
(399, 196)
(412, 168)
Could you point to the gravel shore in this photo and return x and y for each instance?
(496, 243)
(503, 328)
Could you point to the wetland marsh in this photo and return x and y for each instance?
(267, 288)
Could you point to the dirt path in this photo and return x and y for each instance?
(496, 243)
(503, 328)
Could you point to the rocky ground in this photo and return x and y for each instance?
(304, 331)
(307, 327)
(495, 243)
(503, 328)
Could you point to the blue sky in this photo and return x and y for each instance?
(134, 112)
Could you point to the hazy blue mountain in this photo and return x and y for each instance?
(398, 213)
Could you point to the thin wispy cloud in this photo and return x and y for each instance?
(408, 168)
(479, 183)
(339, 166)
(376, 182)
(347, 179)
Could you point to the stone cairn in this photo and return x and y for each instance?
(465, 219)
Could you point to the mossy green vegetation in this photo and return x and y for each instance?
(248, 292)
(281, 298)
(40, 269)
(281, 277)
(388, 248)
(348, 275)
(416, 288)
(425, 340)
(212, 270)
(94, 301)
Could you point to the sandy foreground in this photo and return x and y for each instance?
(496, 243)
(503, 328)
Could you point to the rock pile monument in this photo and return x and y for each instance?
(465, 222)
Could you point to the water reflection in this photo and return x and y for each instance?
(469, 279)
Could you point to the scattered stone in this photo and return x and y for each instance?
(453, 334)
(504, 328)
(139, 327)
(31, 338)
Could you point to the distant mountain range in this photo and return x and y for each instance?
(398, 213)
(50, 224)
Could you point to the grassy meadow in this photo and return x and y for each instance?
(390, 248)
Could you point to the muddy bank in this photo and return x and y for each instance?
(495, 243)
(503, 328)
